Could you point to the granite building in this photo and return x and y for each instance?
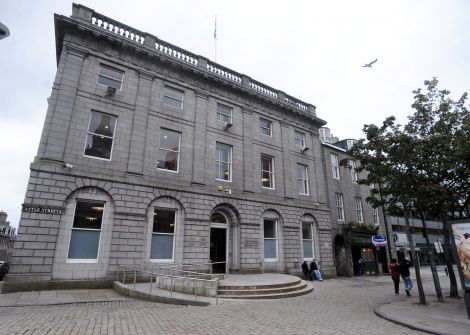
(151, 154)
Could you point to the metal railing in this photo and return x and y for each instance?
(165, 276)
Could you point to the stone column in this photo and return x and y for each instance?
(139, 125)
(199, 142)
(248, 164)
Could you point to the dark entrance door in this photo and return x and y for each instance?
(218, 250)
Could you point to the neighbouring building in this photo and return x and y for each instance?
(7, 237)
(353, 221)
(151, 154)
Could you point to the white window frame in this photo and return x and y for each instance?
(339, 199)
(299, 138)
(223, 162)
(335, 165)
(164, 260)
(85, 260)
(268, 129)
(89, 133)
(270, 172)
(178, 152)
(312, 240)
(276, 238)
(354, 175)
(224, 109)
(359, 213)
(108, 77)
(303, 179)
(175, 90)
(375, 215)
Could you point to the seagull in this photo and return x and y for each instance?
(370, 64)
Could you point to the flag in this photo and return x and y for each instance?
(215, 27)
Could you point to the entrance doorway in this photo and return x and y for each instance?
(218, 249)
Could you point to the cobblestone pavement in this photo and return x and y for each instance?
(337, 306)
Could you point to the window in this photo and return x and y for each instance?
(339, 206)
(375, 214)
(163, 234)
(266, 127)
(270, 239)
(267, 171)
(352, 164)
(302, 179)
(224, 113)
(335, 165)
(100, 135)
(110, 77)
(168, 154)
(173, 97)
(223, 162)
(360, 217)
(299, 139)
(86, 231)
(307, 239)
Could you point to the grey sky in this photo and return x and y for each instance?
(313, 50)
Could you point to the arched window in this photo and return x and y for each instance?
(219, 218)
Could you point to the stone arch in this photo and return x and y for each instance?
(233, 231)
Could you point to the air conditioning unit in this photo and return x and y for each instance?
(228, 125)
(110, 91)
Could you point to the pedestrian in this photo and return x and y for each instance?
(314, 270)
(394, 274)
(306, 271)
(404, 271)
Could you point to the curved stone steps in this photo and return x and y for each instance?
(268, 292)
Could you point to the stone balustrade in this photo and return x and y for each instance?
(90, 16)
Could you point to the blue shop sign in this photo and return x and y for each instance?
(379, 240)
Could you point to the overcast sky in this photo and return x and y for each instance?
(313, 50)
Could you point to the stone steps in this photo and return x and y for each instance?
(269, 291)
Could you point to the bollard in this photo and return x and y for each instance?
(151, 283)
(135, 277)
(171, 288)
(117, 279)
(124, 277)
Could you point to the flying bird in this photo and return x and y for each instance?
(370, 64)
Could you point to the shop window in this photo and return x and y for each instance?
(100, 135)
(86, 231)
(163, 234)
(270, 239)
(168, 154)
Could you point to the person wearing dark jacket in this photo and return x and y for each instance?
(315, 271)
(394, 274)
(404, 271)
(306, 270)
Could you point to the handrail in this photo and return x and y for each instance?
(172, 276)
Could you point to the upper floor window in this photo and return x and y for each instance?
(339, 206)
(375, 214)
(110, 77)
(360, 216)
(173, 97)
(224, 113)
(267, 171)
(168, 154)
(86, 231)
(335, 165)
(163, 234)
(299, 139)
(302, 179)
(266, 127)
(223, 162)
(270, 239)
(100, 135)
(353, 165)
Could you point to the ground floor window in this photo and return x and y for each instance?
(270, 239)
(307, 239)
(163, 234)
(86, 230)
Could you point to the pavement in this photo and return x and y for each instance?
(360, 305)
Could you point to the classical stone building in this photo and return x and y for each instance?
(353, 221)
(153, 155)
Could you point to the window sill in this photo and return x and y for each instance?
(82, 261)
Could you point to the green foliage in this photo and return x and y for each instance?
(362, 227)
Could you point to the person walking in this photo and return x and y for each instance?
(394, 274)
(306, 271)
(315, 270)
(404, 271)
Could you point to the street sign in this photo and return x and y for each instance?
(379, 240)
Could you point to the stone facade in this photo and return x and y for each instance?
(130, 185)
